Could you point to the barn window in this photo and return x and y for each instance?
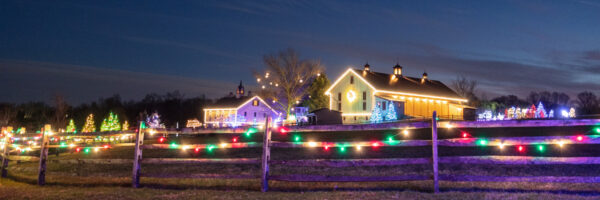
(245, 114)
(254, 114)
(351, 79)
(340, 106)
(364, 105)
(339, 96)
(255, 102)
(364, 95)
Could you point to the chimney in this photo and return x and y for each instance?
(398, 70)
(424, 77)
(367, 67)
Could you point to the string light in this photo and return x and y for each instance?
(405, 132)
(579, 138)
(465, 134)
(482, 142)
(541, 148)
(161, 139)
(501, 145)
(312, 144)
(297, 138)
(561, 144)
(520, 148)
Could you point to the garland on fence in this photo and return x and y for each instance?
(30, 143)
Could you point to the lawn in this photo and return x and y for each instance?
(112, 181)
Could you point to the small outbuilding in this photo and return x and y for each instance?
(324, 116)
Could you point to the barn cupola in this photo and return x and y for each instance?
(367, 67)
(424, 78)
(397, 70)
(240, 91)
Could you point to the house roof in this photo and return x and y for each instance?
(235, 103)
(230, 102)
(406, 84)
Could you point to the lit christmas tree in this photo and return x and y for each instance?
(111, 123)
(89, 124)
(541, 112)
(125, 126)
(153, 121)
(71, 127)
(572, 113)
(376, 116)
(391, 113)
(551, 115)
(531, 112)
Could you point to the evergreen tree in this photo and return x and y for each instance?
(376, 115)
(541, 112)
(71, 127)
(316, 93)
(89, 124)
(111, 123)
(391, 115)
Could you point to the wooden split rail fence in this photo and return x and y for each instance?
(265, 161)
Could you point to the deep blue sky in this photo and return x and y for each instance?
(90, 49)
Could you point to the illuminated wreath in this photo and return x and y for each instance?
(351, 96)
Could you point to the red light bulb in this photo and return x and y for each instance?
(161, 139)
(106, 146)
(78, 149)
(520, 148)
(580, 138)
(197, 149)
(235, 139)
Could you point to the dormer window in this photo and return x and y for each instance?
(255, 103)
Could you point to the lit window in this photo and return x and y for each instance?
(255, 103)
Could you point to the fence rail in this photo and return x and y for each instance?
(265, 159)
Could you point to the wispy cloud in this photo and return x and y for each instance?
(197, 47)
(40, 80)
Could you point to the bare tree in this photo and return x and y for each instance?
(60, 111)
(7, 113)
(587, 102)
(286, 78)
(466, 88)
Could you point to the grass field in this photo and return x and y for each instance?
(112, 181)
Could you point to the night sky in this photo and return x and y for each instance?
(85, 50)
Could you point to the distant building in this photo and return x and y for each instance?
(238, 110)
(361, 93)
(324, 116)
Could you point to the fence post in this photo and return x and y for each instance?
(434, 145)
(44, 154)
(266, 156)
(5, 153)
(137, 160)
